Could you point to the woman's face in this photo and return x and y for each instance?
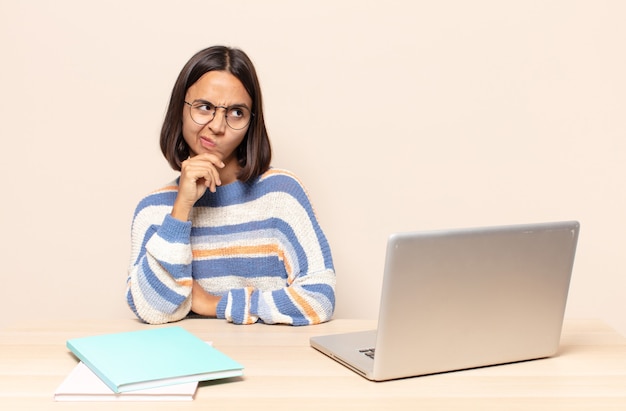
(219, 88)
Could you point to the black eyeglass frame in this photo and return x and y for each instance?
(226, 109)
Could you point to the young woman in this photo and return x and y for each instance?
(232, 237)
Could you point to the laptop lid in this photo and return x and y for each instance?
(464, 298)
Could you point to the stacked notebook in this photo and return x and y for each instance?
(161, 364)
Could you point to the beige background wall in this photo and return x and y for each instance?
(397, 115)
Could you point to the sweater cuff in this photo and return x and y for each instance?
(220, 311)
(235, 306)
(175, 231)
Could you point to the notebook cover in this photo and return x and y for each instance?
(151, 358)
(82, 384)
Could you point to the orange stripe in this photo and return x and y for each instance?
(249, 292)
(185, 282)
(166, 188)
(265, 249)
(308, 310)
(273, 171)
(243, 249)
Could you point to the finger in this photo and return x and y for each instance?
(211, 179)
(211, 158)
(210, 184)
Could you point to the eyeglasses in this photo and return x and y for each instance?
(202, 112)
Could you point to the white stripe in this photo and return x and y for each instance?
(221, 285)
(171, 253)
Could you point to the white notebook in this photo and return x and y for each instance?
(82, 384)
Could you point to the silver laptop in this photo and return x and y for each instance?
(464, 298)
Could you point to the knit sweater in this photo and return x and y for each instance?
(258, 245)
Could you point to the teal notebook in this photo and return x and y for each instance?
(151, 358)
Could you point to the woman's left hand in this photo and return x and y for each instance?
(202, 302)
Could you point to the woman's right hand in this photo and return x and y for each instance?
(196, 175)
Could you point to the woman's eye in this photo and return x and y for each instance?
(204, 107)
(236, 112)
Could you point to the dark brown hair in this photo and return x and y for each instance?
(254, 153)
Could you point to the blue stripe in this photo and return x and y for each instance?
(154, 290)
(177, 270)
(323, 289)
(252, 267)
(285, 305)
(237, 312)
(246, 227)
(131, 304)
(165, 198)
(239, 193)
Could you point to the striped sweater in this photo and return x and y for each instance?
(258, 245)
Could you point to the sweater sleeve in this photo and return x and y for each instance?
(159, 277)
(308, 296)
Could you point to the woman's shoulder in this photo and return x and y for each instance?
(164, 195)
(283, 181)
(280, 176)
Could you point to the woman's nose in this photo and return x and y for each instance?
(218, 123)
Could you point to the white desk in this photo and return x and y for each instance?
(283, 372)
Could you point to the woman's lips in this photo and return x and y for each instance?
(207, 143)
